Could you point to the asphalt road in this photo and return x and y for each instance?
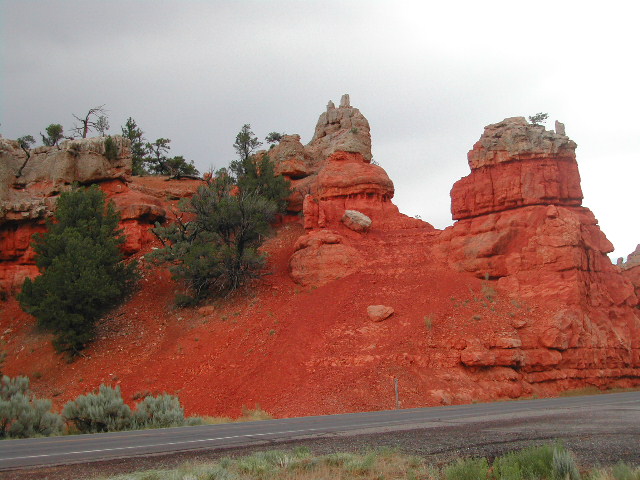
(91, 448)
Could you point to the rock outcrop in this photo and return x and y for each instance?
(520, 225)
(517, 298)
(342, 129)
(321, 257)
(30, 182)
(334, 174)
(516, 164)
(631, 269)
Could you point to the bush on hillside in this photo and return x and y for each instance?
(103, 411)
(21, 414)
(110, 148)
(159, 412)
(217, 251)
(83, 273)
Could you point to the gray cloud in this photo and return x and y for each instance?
(428, 77)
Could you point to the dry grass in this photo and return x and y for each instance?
(248, 415)
(383, 464)
(579, 392)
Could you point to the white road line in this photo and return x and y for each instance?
(183, 442)
(455, 409)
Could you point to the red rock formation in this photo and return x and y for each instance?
(515, 164)
(348, 182)
(552, 314)
(631, 269)
(29, 187)
(333, 174)
(322, 256)
(520, 223)
(335, 169)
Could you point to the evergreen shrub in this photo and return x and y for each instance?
(83, 272)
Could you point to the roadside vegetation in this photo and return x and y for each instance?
(547, 462)
(22, 415)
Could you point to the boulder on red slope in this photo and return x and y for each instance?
(321, 257)
(356, 221)
(517, 164)
(378, 313)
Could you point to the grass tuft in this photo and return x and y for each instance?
(548, 462)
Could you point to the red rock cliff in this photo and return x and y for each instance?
(30, 184)
(520, 222)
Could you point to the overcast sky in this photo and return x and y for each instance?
(428, 76)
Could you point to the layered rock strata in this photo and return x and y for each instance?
(516, 164)
(30, 182)
(331, 175)
(520, 224)
(333, 172)
(631, 269)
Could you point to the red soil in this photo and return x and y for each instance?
(295, 351)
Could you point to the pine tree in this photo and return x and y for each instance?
(256, 175)
(217, 251)
(83, 273)
(138, 148)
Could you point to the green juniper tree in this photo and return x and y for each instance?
(138, 146)
(178, 167)
(54, 135)
(274, 137)
(256, 173)
(246, 142)
(26, 142)
(83, 273)
(539, 118)
(157, 156)
(160, 164)
(217, 251)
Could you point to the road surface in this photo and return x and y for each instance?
(36, 452)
